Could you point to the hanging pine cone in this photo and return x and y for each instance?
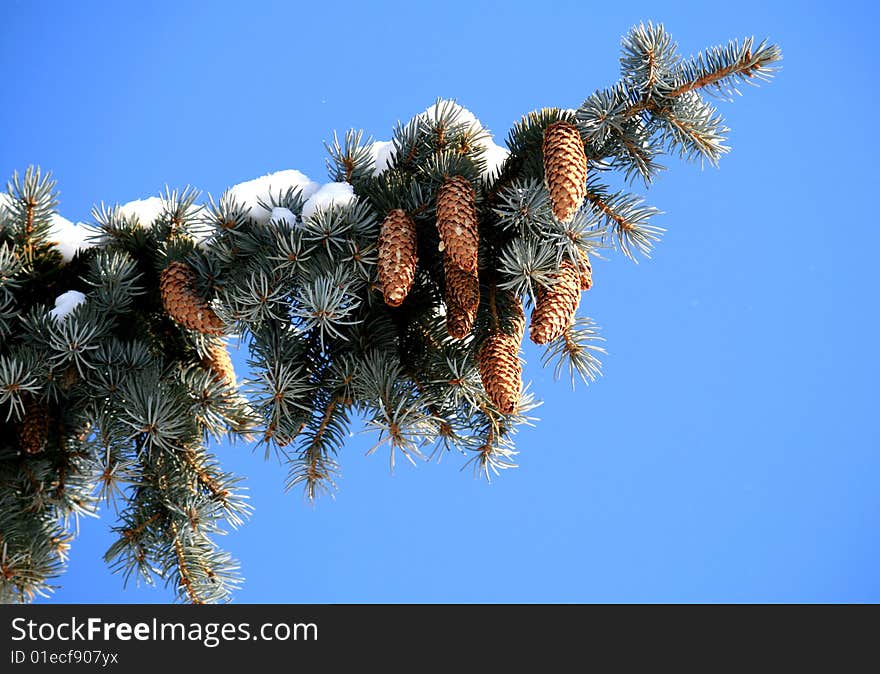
(177, 285)
(510, 314)
(459, 322)
(462, 300)
(217, 360)
(586, 272)
(457, 222)
(34, 426)
(565, 168)
(555, 306)
(501, 370)
(397, 256)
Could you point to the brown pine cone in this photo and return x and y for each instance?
(510, 314)
(34, 427)
(397, 256)
(457, 222)
(177, 285)
(217, 360)
(462, 300)
(586, 272)
(459, 322)
(555, 306)
(565, 168)
(501, 370)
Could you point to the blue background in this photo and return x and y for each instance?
(730, 453)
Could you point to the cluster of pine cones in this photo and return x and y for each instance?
(565, 169)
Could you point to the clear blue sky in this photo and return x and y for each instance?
(730, 453)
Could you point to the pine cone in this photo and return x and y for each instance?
(397, 256)
(457, 222)
(462, 300)
(501, 370)
(555, 306)
(34, 427)
(459, 322)
(586, 272)
(565, 168)
(510, 313)
(177, 285)
(219, 363)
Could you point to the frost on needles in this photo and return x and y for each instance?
(394, 295)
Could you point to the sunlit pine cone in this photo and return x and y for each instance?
(555, 305)
(501, 370)
(217, 360)
(397, 256)
(177, 285)
(586, 272)
(462, 300)
(457, 222)
(565, 168)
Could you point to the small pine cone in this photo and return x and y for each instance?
(457, 222)
(565, 168)
(459, 321)
(501, 370)
(219, 363)
(555, 306)
(177, 285)
(397, 256)
(34, 427)
(586, 272)
(462, 300)
(462, 288)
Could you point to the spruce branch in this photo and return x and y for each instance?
(626, 218)
(114, 375)
(718, 69)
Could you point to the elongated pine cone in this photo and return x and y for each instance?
(501, 370)
(177, 285)
(586, 272)
(34, 427)
(555, 306)
(397, 256)
(457, 222)
(462, 300)
(565, 169)
(510, 313)
(217, 360)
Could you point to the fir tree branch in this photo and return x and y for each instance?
(747, 65)
(299, 284)
(133, 533)
(205, 478)
(183, 568)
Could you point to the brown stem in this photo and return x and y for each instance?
(652, 65)
(183, 569)
(597, 201)
(713, 77)
(204, 477)
(29, 228)
(322, 428)
(134, 532)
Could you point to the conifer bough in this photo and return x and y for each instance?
(392, 295)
